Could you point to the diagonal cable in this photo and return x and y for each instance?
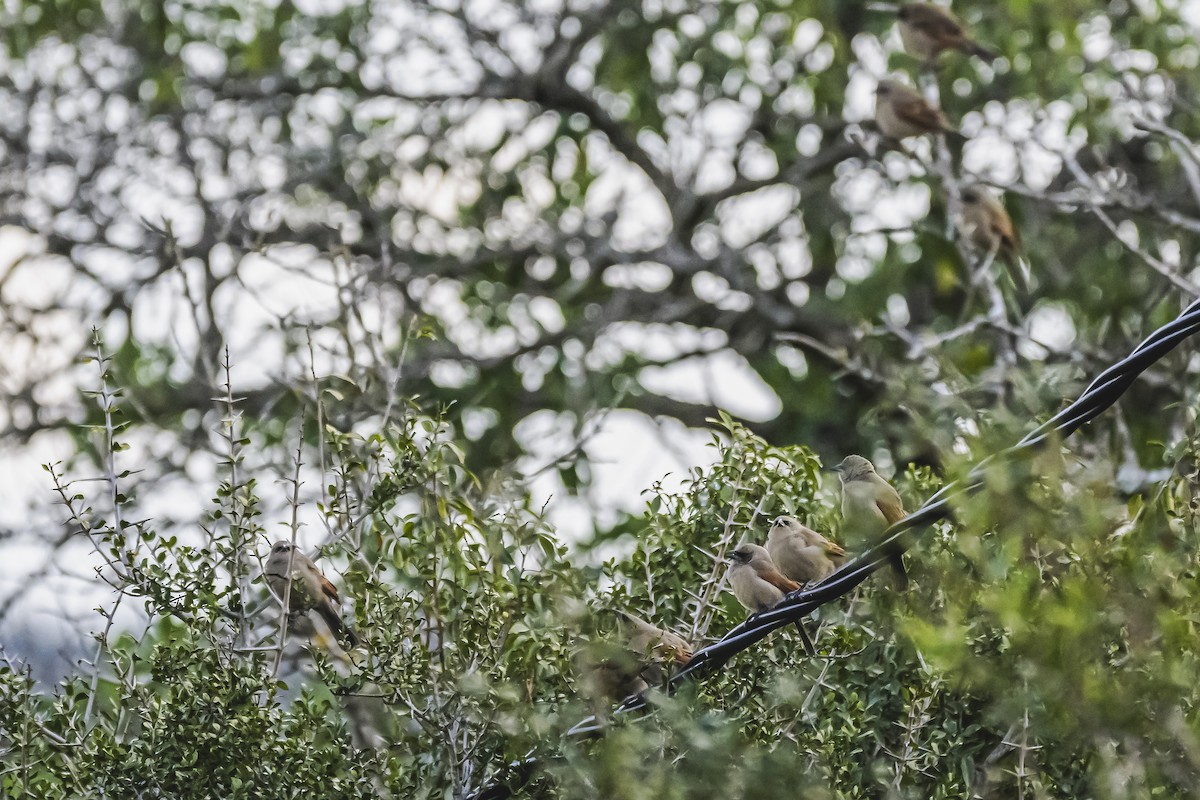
(1100, 395)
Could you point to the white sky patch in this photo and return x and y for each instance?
(966, 431)
(747, 218)
(649, 276)
(643, 217)
(757, 162)
(20, 251)
(53, 612)
(437, 192)
(715, 289)
(628, 452)
(27, 491)
(725, 122)
(486, 127)
(204, 60)
(897, 310)
(161, 314)
(652, 341)
(723, 379)
(871, 54)
(1050, 325)
(275, 290)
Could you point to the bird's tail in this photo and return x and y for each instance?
(954, 136)
(1016, 269)
(338, 627)
(976, 49)
(351, 636)
(897, 562)
(809, 647)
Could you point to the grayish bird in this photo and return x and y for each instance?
(800, 553)
(310, 590)
(901, 112)
(613, 671)
(870, 505)
(654, 647)
(928, 30)
(759, 586)
(986, 224)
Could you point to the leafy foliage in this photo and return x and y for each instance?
(337, 256)
(1028, 656)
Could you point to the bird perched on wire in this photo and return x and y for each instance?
(759, 585)
(901, 112)
(654, 647)
(985, 223)
(310, 590)
(608, 674)
(870, 505)
(800, 553)
(927, 31)
(639, 660)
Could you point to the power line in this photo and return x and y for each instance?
(1099, 396)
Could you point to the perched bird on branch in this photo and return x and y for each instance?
(759, 586)
(802, 554)
(901, 112)
(870, 505)
(984, 221)
(310, 590)
(928, 30)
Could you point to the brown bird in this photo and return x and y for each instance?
(654, 648)
(928, 30)
(801, 553)
(310, 590)
(987, 225)
(609, 673)
(759, 586)
(901, 112)
(616, 670)
(870, 505)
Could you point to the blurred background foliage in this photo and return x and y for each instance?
(384, 274)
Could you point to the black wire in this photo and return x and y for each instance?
(1098, 397)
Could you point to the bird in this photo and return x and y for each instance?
(870, 505)
(802, 554)
(901, 112)
(759, 586)
(984, 221)
(654, 646)
(614, 670)
(310, 590)
(927, 31)
(608, 676)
